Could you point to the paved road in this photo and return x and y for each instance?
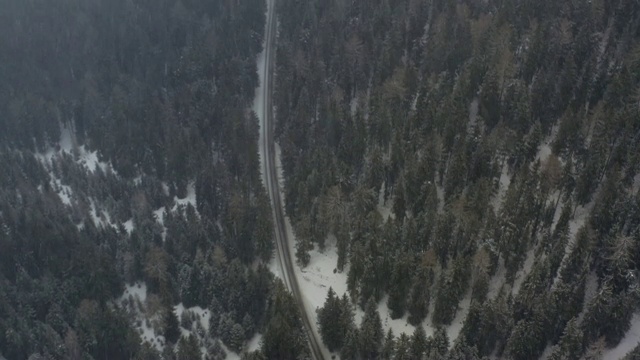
(272, 185)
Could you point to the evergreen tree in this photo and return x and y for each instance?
(403, 347)
(388, 350)
(330, 322)
(350, 350)
(188, 348)
(570, 345)
(172, 329)
(418, 348)
(371, 332)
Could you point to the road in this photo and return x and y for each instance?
(271, 177)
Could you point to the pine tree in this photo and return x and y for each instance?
(403, 348)
(371, 332)
(188, 348)
(172, 329)
(419, 298)
(398, 286)
(350, 350)
(329, 322)
(570, 345)
(418, 347)
(440, 342)
(388, 349)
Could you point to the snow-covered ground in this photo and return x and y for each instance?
(254, 343)
(159, 215)
(190, 199)
(258, 101)
(503, 186)
(138, 308)
(384, 208)
(629, 342)
(523, 272)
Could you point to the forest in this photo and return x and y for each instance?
(463, 159)
(134, 224)
(477, 152)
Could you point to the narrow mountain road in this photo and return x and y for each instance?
(271, 177)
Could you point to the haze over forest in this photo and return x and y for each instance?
(460, 179)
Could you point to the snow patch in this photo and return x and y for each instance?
(522, 273)
(453, 330)
(544, 151)
(159, 215)
(128, 225)
(629, 342)
(64, 191)
(134, 301)
(202, 315)
(189, 199)
(254, 343)
(231, 355)
(503, 185)
(497, 281)
(398, 326)
(636, 184)
(384, 208)
(319, 275)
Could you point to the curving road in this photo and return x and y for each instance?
(272, 185)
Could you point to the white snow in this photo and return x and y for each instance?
(318, 276)
(231, 355)
(90, 160)
(137, 290)
(497, 281)
(66, 138)
(64, 191)
(189, 199)
(67, 144)
(636, 184)
(398, 326)
(258, 100)
(274, 267)
(142, 322)
(128, 225)
(591, 287)
(580, 216)
(440, 195)
(159, 215)
(544, 151)
(353, 106)
(254, 343)
(203, 315)
(453, 330)
(504, 182)
(384, 208)
(628, 343)
(523, 272)
(473, 114)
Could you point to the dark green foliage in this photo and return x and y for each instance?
(571, 343)
(329, 322)
(418, 346)
(284, 335)
(371, 332)
(633, 354)
(188, 348)
(419, 298)
(157, 92)
(451, 289)
(389, 347)
(172, 329)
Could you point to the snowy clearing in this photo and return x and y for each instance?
(190, 199)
